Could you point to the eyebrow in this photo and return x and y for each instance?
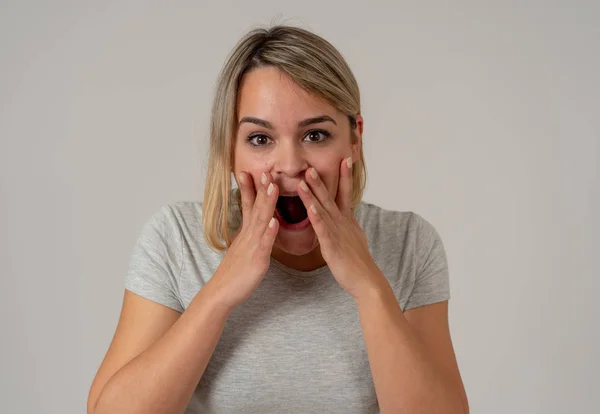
(301, 124)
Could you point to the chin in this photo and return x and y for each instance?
(297, 243)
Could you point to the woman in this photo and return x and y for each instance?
(289, 294)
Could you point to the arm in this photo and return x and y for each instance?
(157, 356)
(411, 355)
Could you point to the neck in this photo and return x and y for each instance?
(304, 263)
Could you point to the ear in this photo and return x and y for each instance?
(357, 144)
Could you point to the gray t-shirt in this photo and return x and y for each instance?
(296, 344)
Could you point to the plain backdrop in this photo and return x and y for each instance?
(484, 117)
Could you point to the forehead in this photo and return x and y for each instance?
(270, 94)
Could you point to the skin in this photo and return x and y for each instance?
(287, 151)
(157, 358)
(416, 342)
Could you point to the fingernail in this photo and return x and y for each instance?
(241, 179)
(272, 222)
(313, 209)
(349, 162)
(270, 189)
(313, 173)
(263, 179)
(304, 186)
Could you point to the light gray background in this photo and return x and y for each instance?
(482, 118)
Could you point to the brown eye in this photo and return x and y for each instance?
(317, 136)
(258, 140)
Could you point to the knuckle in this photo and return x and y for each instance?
(260, 220)
(329, 203)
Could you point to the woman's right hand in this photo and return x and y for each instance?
(248, 258)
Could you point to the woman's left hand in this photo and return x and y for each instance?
(343, 243)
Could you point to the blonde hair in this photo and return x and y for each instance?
(315, 65)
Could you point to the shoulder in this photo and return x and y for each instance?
(385, 225)
(186, 213)
(167, 228)
(171, 217)
(402, 243)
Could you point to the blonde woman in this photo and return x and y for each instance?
(287, 294)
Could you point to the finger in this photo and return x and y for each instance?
(248, 195)
(319, 218)
(343, 198)
(320, 191)
(266, 200)
(317, 215)
(270, 235)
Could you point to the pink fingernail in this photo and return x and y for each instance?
(304, 186)
(349, 162)
(313, 173)
(313, 209)
(242, 179)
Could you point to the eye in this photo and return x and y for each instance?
(258, 140)
(317, 136)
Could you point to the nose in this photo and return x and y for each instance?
(289, 159)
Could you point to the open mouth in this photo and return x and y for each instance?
(291, 209)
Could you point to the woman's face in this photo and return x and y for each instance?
(283, 130)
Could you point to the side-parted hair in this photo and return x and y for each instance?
(315, 65)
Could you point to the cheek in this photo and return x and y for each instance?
(251, 164)
(333, 185)
(328, 169)
(331, 179)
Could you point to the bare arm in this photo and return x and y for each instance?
(411, 356)
(162, 377)
(158, 355)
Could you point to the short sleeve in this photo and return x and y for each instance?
(432, 280)
(155, 264)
